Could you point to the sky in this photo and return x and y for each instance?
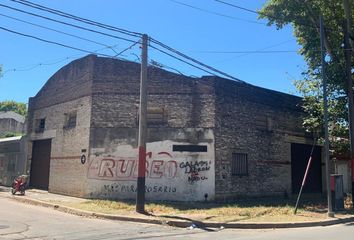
(214, 33)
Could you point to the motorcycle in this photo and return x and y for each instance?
(19, 185)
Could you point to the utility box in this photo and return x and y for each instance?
(337, 192)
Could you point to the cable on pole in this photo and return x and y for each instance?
(54, 30)
(195, 61)
(77, 18)
(65, 23)
(52, 42)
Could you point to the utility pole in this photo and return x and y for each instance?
(140, 197)
(325, 110)
(348, 72)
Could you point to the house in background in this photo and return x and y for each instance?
(11, 122)
(13, 150)
(209, 138)
(13, 155)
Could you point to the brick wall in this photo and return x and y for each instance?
(256, 122)
(68, 90)
(67, 173)
(225, 116)
(9, 125)
(188, 109)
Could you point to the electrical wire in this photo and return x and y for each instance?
(54, 30)
(263, 14)
(155, 41)
(52, 62)
(171, 55)
(130, 47)
(157, 64)
(194, 60)
(159, 43)
(250, 52)
(215, 13)
(52, 42)
(65, 23)
(33, 66)
(77, 18)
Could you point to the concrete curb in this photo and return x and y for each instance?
(183, 223)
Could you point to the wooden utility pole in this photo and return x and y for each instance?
(325, 113)
(349, 82)
(140, 197)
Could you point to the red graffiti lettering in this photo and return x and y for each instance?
(125, 168)
(160, 165)
(156, 169)
(106, 168)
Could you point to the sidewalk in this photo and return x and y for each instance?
(57, 202)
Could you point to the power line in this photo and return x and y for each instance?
(77, 18)
(155, 41)
(157, 64)
(263, 14)
(216, 13)
(52, 42)
(171, 55)
(127, 48)
(33, 66)
(65, 23)
(250, 52)
(193, 60)
(242, 8)
(257, 51)
(54, 30)
(56, 61)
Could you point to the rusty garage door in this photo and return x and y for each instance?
(40, 164)
(300, 154)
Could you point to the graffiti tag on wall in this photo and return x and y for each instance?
(162, 165)
(123, 188)
(127, 168)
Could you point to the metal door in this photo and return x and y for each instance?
(40, 164)
(300, 154)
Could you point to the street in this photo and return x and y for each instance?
(22, 221)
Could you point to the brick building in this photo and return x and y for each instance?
(208, 138)
(11, 122)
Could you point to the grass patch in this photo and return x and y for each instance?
(261, 210)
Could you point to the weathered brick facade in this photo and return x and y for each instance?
(195, 127)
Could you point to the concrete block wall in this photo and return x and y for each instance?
(12, 159)
(9, 125)
(68, 90)
(67, 173)
(256, 122)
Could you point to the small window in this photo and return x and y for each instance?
(70, 120)
(189, 148)
(40, 125)
(239, 164)
(155, 116)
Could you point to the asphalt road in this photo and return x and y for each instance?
(22, 221)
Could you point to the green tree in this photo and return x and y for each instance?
(303, 15)
(17, 107)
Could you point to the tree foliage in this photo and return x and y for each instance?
(17, 107)
(303, 15)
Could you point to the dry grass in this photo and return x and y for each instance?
(250, 211)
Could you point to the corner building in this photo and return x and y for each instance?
(209, 138)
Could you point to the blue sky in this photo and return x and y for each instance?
(199, 34)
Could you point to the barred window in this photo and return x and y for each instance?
(239, 166)
(70, 120)
(40, 125)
